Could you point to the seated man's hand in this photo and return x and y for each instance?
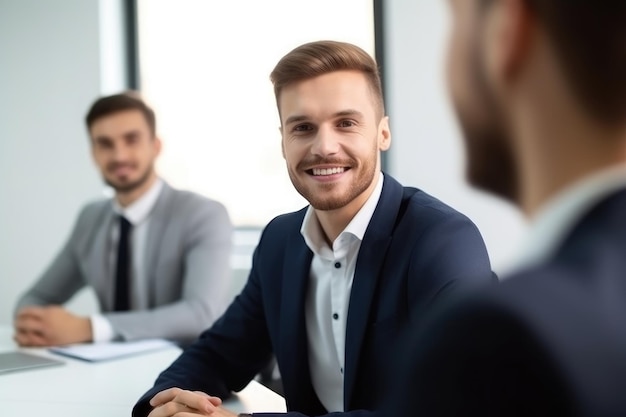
(181, 403)
(50, 326)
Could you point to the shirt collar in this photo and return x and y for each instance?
(559, 215)
(139, 210)
(312, 231)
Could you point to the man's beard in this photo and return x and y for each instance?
(490, 161)
(318, 197)
(130, 186)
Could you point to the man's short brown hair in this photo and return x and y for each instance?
(129, 100)
(313, 59)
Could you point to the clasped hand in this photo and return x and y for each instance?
(50, 326)
(182, 403)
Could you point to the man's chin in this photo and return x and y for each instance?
(124, 186)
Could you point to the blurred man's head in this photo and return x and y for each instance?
(512, 59)
(124, 144)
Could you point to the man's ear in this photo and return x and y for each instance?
(158, 145)
(384, 134)
(509, 36)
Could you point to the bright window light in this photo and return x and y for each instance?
(205, 69)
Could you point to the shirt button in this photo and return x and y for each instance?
(337, 264)
(335, 316)
(341, 370)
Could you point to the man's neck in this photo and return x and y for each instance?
(559, 152)
(124, 199)
(333, 222)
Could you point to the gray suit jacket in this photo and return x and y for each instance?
(187, 267)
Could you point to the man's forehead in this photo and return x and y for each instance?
(339, 92)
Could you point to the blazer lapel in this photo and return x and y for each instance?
(158, 223)
(97, 259)
(369, 263)
(293, 339)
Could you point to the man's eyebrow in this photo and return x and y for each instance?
(131, 134)
(342, 113)
(348, 112)
(102, 138)
(295, 119)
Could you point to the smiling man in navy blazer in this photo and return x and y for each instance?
(333, 285)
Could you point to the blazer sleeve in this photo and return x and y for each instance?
(225, 357)
(206, 280)
(63, 278)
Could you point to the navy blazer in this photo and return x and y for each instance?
(416, 251)
(550, 340)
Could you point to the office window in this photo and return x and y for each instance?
(205, 65)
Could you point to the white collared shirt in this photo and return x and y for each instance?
(138, 214)
(328, 296)
(559, 215)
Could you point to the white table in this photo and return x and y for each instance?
(105, 389)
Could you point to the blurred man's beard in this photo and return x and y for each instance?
(130, 186)
(490, 160)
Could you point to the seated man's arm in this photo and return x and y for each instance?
(57, 285)
(226, 357)
(206, 282)
(36, 325)
(61, 280)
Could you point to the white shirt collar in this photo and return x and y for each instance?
(139, 210)
(559, 215)
(312, 231)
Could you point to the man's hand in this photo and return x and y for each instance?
(181, 403)
(50, 326)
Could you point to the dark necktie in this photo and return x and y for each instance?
(122, 271)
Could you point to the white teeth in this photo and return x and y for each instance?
(328, 171)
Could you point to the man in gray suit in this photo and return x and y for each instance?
(156, 257)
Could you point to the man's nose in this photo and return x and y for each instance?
(325, 143)
(120, 152)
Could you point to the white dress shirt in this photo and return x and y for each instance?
(138, 214)
(559, 215)
(328, 296)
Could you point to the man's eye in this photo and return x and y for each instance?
(302, 128)
(103, 145)
(346, 123)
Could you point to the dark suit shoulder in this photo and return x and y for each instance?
(418, 199)
(283, 225)
(422, 217)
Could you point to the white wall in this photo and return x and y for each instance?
(426, 148)
(50, 71)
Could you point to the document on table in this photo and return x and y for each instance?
(96, 352)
